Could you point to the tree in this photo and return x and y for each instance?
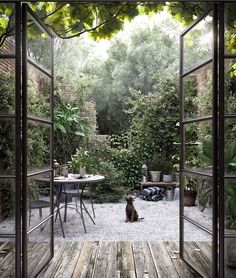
(101, 20)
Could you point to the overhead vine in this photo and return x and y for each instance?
(100, 19)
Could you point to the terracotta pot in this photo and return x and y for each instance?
(189, 198)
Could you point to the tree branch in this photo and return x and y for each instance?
(91, 29)
(7, 33)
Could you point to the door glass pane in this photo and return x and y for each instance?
(7, 12)
(230, 28)
(38, 47)
(7, 257)
(230, 86)
(7, 147)
(7, 206)
(198, 199)
(38, 199)
(198, 249)
(7, 86)
(230, 257)
(38, 146)
(230, 146)
(38, 93)
(39, 248)
(198, 146)
(198, 43)
(198, 90)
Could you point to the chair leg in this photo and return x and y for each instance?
(65, 211)
(91, 201)
(76, 204)
(61, 224)
(81, 213)
(40, 213)
(29, 216)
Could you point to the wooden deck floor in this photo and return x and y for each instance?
(108, 259)
(116, 259)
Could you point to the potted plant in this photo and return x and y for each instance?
(190, 191)
(170, 193)
(80, 162)
(167, 169)
(153, 165)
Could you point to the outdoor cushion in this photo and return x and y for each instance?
(152, 194)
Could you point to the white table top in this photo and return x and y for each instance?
(74, 178)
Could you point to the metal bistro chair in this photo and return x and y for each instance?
(74, 193)
(36, 201)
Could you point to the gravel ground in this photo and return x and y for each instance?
(161, 222)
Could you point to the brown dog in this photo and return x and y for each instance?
(131, 213)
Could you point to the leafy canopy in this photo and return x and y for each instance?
(101, 20)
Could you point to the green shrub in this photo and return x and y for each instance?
(111, 189)
(125, 160)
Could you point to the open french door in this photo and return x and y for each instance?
(198, 127)
(37, 127)
(207, 131)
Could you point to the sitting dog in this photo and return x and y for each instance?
(131, 213)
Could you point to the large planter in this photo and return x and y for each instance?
(230, 249)
(167, 178)
(155, 175)
(170, 195)
(189, 198)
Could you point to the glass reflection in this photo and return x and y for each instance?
(230, 28)
(230, 86)
(38, 146)
(38, 248)
(198, 146)
(38, 198)
(38, 93)
(7, 147)
(198, 249)
(198, 90)
(38, 45)
(198, 200)
(198, 43)
(7, 86)
(7, 206)
(7, 257)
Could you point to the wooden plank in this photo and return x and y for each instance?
(172, 248)
(68, 260)
(162, 261)
(7, 265)
(206, 248)
(51, 268)
(106, 260)
(34, 254)
(39, 256)
(197, 259)
(144, 264)
(5, 249)
(124, 260)
(87, 259)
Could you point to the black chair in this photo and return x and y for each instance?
(37, 200)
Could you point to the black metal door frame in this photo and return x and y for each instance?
(26, 13)
(20, 119)
(214, 122)
(219, 117)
